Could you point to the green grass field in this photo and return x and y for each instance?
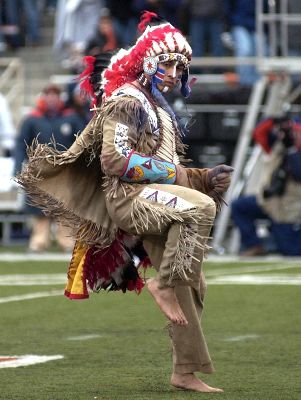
(115, 346)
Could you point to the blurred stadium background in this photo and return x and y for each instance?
(223, 110)
(252, 317)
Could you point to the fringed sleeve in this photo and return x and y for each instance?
(124, 121)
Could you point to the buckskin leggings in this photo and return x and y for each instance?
(174, 223)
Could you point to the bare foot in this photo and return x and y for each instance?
(191, 382)
(167, 301)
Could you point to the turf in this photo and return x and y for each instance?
(129, 356)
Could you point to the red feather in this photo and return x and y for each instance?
(146, 17)
(135, 285)
(84, 77)
(127, 68)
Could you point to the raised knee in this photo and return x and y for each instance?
(208, 206)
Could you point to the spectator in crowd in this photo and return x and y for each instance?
(2, 38)
(75, 24)
(78, 104)
(279, 194)
(294, 37)
(206, 27)
(124, 19)
(50, 121)
(7, 129)
(104, 38)
(30, 8)
(167, 9)
(241, 21)
(50, 6)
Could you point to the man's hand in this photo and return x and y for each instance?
(205, 179)
(220, 177)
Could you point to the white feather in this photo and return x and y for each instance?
(157, 49)
(180, 40)
(170, 42)
(174, 73)
(163, 47)
(188, 48)
(152, 53)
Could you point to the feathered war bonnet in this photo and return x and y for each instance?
(159, 42)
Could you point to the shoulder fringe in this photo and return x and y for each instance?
(189, 241)
(45, 158)
(125, 109)
(88, 141)
(83, 230)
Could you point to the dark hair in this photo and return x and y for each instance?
(52, 88)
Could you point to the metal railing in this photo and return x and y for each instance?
(276, 62)
(12, 88)
(12, 84)
(276, 21)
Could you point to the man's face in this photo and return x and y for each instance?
(173, 71)
(52, 100)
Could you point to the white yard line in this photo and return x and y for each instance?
(215, 277)
(21, 257)
(281, 279)
(30, 296)
(241, 338)
(23, 361)
(84, 337)
(237, 259)
(32, 279)
(250, 268)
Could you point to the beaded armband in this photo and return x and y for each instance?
(145, 169)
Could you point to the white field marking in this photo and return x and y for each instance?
(30, 296)
(84, 337)
(256, 280)
(23, 361)
(251, 268)
(241, 338)
(13, 257)
(238, 259)
(32, 279)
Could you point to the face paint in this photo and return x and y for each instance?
(159, 75)
(174, 72)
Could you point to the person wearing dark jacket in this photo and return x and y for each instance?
(241, 21)
(278, 196)
(206, 26)
(124, 19)
(104, 38)
(78, 105)
(48, 121)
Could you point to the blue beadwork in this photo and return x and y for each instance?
(146, 169)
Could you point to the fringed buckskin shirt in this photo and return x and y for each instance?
(129, 143)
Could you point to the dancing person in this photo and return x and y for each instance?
(123, 189)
